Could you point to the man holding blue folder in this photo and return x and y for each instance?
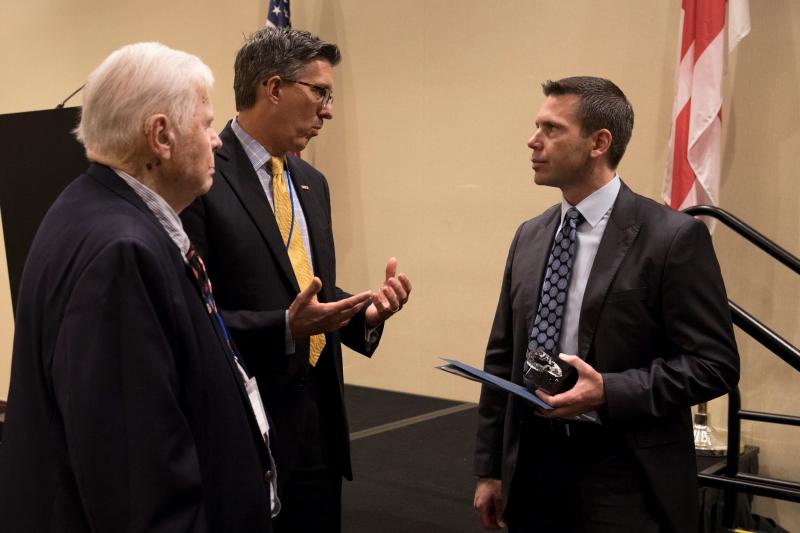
(630, 294)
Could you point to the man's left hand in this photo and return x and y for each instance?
(587, 395)
(391, 297)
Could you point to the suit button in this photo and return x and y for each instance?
(301, 382)
(268, 476)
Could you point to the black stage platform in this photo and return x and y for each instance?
(412, 461)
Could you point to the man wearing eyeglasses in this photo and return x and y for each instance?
(265, 232)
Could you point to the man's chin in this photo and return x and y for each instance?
(300, 144)
(206, 186)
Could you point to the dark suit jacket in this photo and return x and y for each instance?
(125, 411)
(654, 321)
(234, 229)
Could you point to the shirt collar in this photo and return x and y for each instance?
(256, 153)
(163, 212)
(597, 204)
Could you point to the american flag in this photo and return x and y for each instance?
(279, 14)
(693, 162)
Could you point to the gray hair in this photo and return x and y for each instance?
(280, 52)
(132, 84)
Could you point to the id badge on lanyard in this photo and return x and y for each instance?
(258, 408)
(251, 387)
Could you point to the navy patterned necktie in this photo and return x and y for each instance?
(546, 329)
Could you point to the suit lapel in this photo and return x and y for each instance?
(541, 240)
(314, 217)
(108, 178)
(232, 364)
(232, 360)
(620, 233)
(236, 169)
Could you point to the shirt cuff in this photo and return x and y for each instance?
(289, 338)
(371, 335)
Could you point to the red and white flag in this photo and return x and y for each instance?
(693, 162)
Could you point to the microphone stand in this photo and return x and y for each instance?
(61, 105)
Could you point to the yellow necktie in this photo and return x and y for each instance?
(297, 251)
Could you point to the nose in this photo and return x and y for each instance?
(535, 142)
(326, 111)
(216, 142)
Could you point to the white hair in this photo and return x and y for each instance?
(132, 84)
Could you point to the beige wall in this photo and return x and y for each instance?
(427, 155)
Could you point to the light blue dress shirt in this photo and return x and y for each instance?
(596, 210)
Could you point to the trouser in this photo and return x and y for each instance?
(312, 503)
(311, 497)
(576, 477)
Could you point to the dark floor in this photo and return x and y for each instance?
(415, 478)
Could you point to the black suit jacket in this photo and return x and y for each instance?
(234, 229)
(654, 321)
(125, 411)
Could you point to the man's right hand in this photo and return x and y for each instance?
(308, 317)
(489, 503)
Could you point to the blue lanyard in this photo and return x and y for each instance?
(225, 335)
(206, 294)
(211, 305)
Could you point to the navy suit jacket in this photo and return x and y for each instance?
(126, 412)
(235, 230)
(654, 321)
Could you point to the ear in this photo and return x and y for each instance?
(271, 88)
(601, 142)
(159, 135)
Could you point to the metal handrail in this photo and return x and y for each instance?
(765, 336)
(737, 225)
(731, 480)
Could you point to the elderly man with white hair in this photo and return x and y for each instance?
(129, 408)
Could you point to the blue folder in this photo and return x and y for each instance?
(464, 370)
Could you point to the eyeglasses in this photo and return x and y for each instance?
(325, 95)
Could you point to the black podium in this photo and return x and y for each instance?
(39, 156)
